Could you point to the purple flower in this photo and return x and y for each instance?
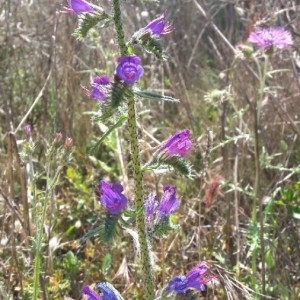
(266, 38)
(196, 278)
(177, 144)
(129, 69)
(107, 290)
(168, 203)
(156, 210)
(79, 6)
(111, 197)
(28, 129)
(177, 284)
(159, 26)
(92, 294)
(100, 87)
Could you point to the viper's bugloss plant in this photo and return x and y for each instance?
(119, 96)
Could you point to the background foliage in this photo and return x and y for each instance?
(42, 61)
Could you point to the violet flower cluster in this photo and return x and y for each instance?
(267, 38)
(100, 88)
(129, 69)
(159, 26)
(111, 197)
(196, 278)
(107, 291)
(157, 210)
(178, 144)
(79, 7)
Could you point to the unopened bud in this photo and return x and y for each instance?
(58, 138)
(27, 129)
(212, 190)
(68, 143)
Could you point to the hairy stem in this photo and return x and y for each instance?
(119, 28)
(137, 170)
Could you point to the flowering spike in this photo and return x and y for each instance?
(111, 197)
(159, 26)
(177, 144)
(267, 38)
(79, 6)
(129, 69)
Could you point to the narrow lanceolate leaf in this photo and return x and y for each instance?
(88, 21)
(119, 92)
(152, 95)
(92, 233)
(118, 124)
(154, 46)
(105, 231)
(108, 230)
(164, 226)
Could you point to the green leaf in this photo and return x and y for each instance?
(295, 212)
(106, 263)
(163, 164)
(269, 257)
(118, 93)
(149, 42)
(164, 226)
(118, 124)
(88, 21)
(108, 230)
(71, 263)
(151, 95)
(92, 233)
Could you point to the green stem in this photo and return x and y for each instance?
(138, 192)
(137, 170)
(257, 200)
(119, 28)
(39, 236)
